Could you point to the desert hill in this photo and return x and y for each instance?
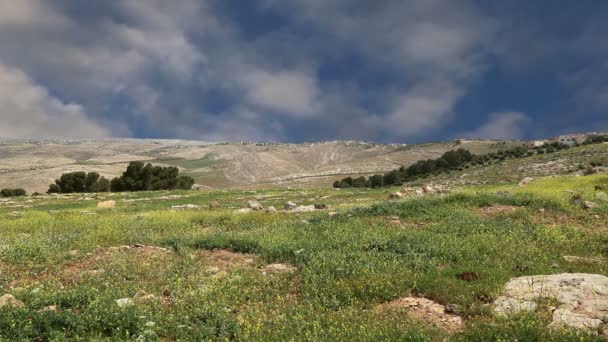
(33, 165)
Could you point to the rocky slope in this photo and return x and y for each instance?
(33, 165)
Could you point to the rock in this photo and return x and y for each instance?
(588, 205)
(320, 206)
(290, 205)
(428, 311)
(142, 296)
(106, 204)
(50, 308)
(53, 212)
(525, 181)
(428, 189)
(303, 209)
(16, 214)
(254, 205)
(602, 196)
(332, 214)
(243, 211)
(582, 298)
(419, 192)
(214, 204)
(395, 195)
(124, 302)
(563, 318)
(185, 207)
(9, 300)
(213, 270)
(541, 210)
(271, 210)
(73, 252)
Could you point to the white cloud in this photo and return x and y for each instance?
(501, 125)
(27, 110)
(292, 93)
(31, 13)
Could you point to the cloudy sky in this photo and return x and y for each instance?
(302, 70)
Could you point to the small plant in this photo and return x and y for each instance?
(12, 192)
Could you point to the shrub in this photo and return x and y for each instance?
(140, 177)
(12, 192)
(79, 182)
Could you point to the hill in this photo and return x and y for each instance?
(33, 165)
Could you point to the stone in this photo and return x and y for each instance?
(332, 213)
(50, 308)
(419, 192)
(16, 214)
(320, 206)
(185, 207)
(214, 204)
(254, 205)
(125, 302)
(8, 300)
(303, 209)
(428, 311)
(588, 205)
(290, 205)
(602, 196)
(563, 318)
(106, 204)
(395, 195)
(271, 210)
(243, 211)
(582, 298)
(279, 268)
(525, 181)
(572, 258)
(142, 296)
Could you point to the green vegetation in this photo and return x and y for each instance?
(456, 160)
(212, 282)
(140, 177)
(12, 192)
(137, 177)
(80, 182)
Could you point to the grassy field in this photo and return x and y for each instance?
(212, 274)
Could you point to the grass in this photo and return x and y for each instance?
(346, 265)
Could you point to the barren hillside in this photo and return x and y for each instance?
(34, 165)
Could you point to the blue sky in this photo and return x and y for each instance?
(302, 70)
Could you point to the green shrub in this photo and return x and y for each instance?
(12, 192)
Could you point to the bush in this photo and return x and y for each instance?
(79, 182)
(140, 177)
(12, 192)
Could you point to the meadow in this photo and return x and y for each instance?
(141, 271)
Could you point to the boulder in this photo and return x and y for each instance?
(254, 205)
(525, 181)
(185, 207)
(125, 302)
(602, 196)
(16, 214)
(588, 205)
(320, 206)
(9, 300)
(214, 204)
(243, 211)
(106, 204)
(303, 209)
(290, 205)
(582, 298)
(271, 210)
(395, 195)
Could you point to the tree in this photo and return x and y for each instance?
(79, 182)
(142, 177)
(376, 181)
(360, 182)
(12, 192)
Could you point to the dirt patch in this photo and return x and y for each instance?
(225, 259)
(426, 310)
(498, 209)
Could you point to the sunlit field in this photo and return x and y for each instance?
(143, 271)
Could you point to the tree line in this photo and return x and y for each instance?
(137, 177)
(455, 160)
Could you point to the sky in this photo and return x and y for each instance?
(392, 71)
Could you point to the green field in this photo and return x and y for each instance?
(330, 275)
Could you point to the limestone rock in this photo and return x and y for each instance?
(582, 298)
(9, 300)
(395, 195)
(588, 205)
(525, 181)
(271, 210)
(290, 205)
(303, 209)
(243, 211)
(185, 207)
(254, 205)
(106, 204)
(124, 302)
(214, 204)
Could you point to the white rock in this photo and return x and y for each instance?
(185, 207)
(106, 204)
(254, 205)
(303, 209)
(243, 211)
(290, 205)
(582, 297)
(8, 300)
(125, 302)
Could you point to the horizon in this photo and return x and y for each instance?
(389, 72)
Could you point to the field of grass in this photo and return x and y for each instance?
(209, 278)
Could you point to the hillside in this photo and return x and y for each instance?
(33, 165)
